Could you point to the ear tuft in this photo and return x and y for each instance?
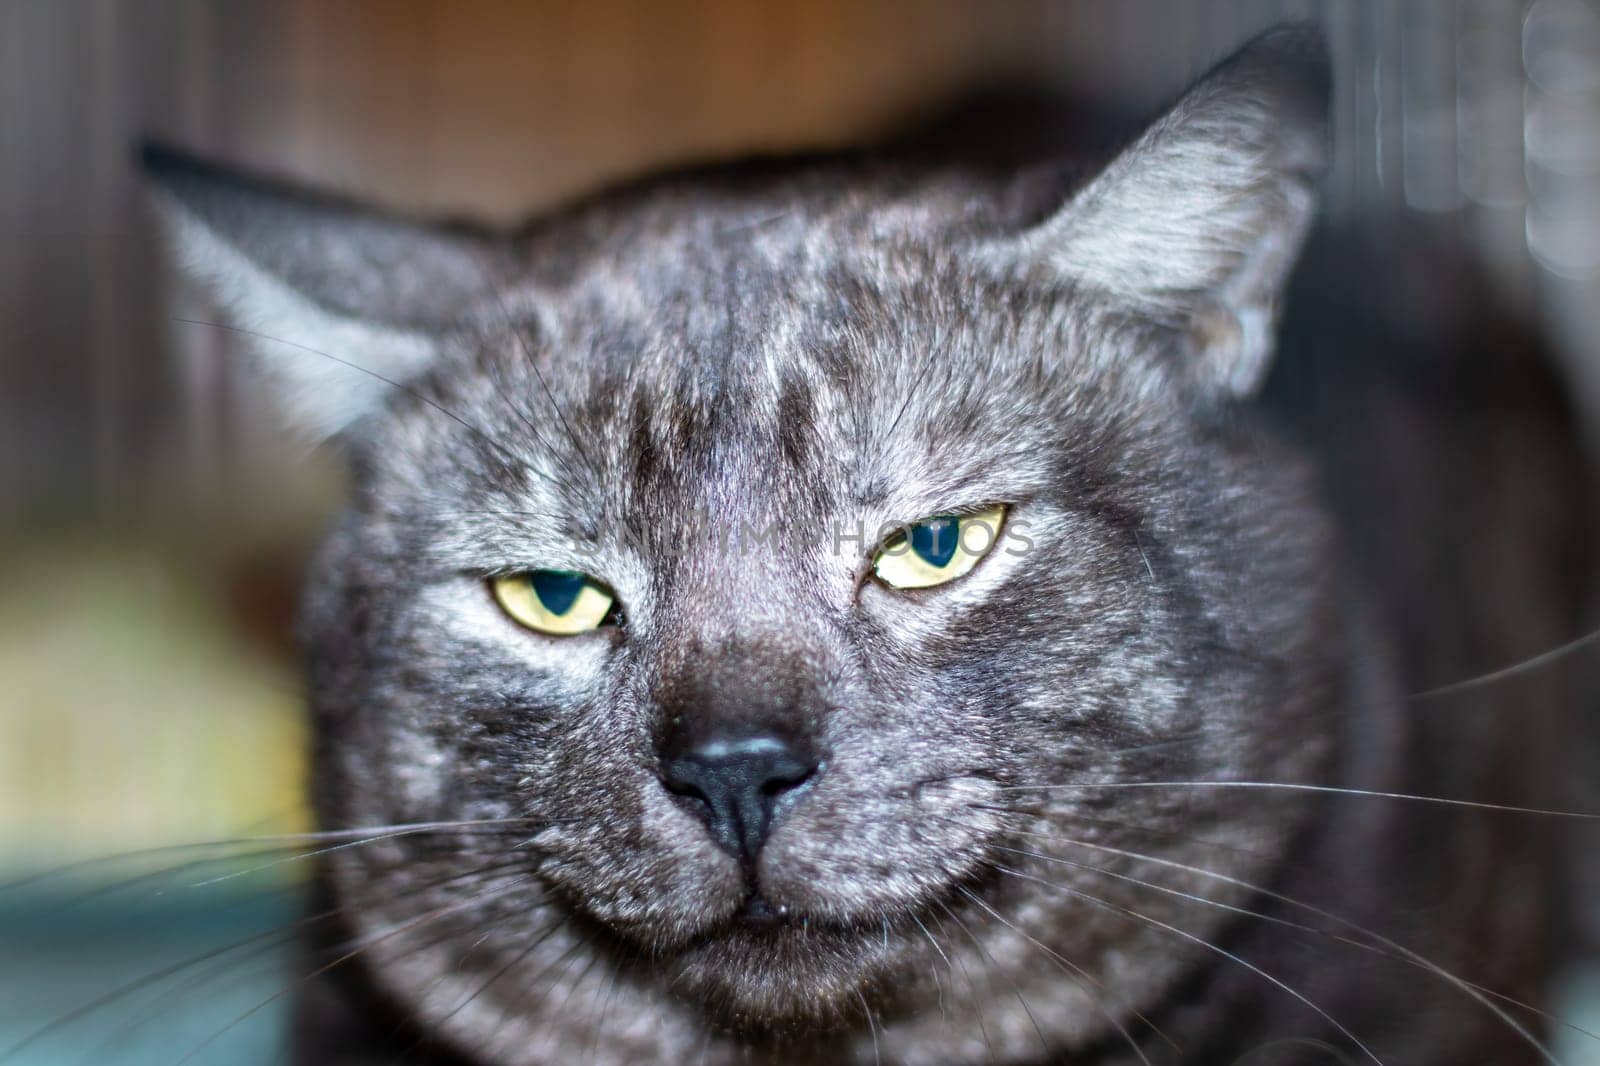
(340, 301)
(1199, 221)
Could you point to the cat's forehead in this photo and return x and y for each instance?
(700, 254)
(808, 284)
(797, 342)
(778, 214)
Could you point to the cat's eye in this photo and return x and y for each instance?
(561, 603)
(937, 549)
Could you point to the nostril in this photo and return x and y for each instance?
(682, 779)
(679, 777)
(784, 778)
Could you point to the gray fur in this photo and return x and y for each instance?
(815, 348)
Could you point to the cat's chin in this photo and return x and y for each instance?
(768, 972)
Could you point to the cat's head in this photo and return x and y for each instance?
(621, 563)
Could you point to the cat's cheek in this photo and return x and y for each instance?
(659, 880)
(851, 854)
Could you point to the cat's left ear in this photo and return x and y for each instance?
(341, 304)
(1199, 221)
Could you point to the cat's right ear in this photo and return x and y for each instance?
(1197, 223)
(341, 304)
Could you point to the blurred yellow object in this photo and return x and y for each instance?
(133, 713)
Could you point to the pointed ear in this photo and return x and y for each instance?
(339, 303)
(1199, 221)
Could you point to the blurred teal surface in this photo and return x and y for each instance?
(106, 972)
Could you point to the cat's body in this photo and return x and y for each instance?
(1221, 583)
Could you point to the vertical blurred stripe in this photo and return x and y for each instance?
(1561, 51)
(1428, 93)
(1561, 138)
(11, 192)
(105, 116)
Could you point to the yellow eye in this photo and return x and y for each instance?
(558, 602)
(938, 549)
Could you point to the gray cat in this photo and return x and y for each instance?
(842, 610)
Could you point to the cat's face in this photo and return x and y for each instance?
(711, 395)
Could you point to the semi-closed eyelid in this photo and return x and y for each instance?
(958, 513)
(557, 603)
(903, 564)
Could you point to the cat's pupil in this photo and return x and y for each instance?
(558, 590)
(936, 539)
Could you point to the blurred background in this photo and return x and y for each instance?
(153, 516)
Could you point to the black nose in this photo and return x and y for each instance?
(740, 785)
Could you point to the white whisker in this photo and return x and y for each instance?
(1296, 787)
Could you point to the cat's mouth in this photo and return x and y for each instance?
(761, 969)
(757, 913)
(791, 964)
(760, 918)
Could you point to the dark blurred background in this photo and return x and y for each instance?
(152, 514)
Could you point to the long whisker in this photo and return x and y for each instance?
(1080, 976)
(1253, 1055)
(1015, 988)
(277, 886)
(949, 969)
(1170, 891)
(562, 460)
(872, 1027)
(317, 853)
(271, 841)
(1514, 670)
(937, 352)
(1406, 954)
(561, 962)
(527, 355)
(415, 923)
(265, 940)
(1155, 745)
(603, 1004)
(543, 934)
(1202, 942)
(1297, 787)
(977, 1002)
(1274, 919)
(1114, 823)
(575, 980)
(205, 976)
(1525, 666)
(227, 960)
(70, 900)
(506, 455)
(273, 937)
(1391, 953)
